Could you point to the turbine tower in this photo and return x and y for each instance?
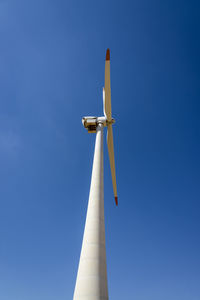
(91, 282)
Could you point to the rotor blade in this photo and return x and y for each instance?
(112, 160)
(107, 102)
(104, 102)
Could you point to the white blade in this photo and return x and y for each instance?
(112, 160)
(107, 99)
(104, 102)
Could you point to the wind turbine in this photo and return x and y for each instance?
(91, 282)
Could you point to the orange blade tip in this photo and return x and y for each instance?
(116, 200)
(108, 54)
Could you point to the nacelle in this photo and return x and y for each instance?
(90, 123)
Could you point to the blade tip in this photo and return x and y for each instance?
(108, 54)
(116, 200)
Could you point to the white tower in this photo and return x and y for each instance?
(91, 282)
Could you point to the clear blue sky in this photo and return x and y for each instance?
(51, 74)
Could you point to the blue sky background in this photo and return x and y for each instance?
(51, 74)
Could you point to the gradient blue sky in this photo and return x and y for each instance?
(51, 74)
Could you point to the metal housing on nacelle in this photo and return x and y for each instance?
(90, 123)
